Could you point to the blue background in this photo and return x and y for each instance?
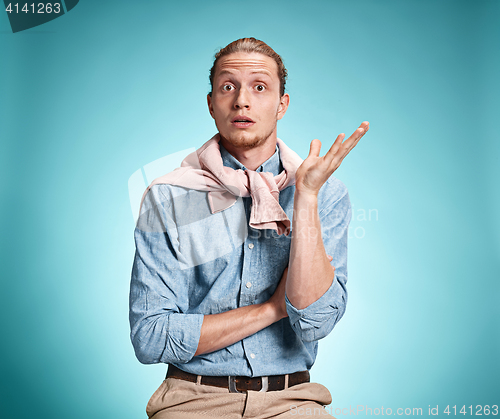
(89, 98)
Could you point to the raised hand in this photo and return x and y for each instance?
(315, 170)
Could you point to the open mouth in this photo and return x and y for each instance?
(242, 119)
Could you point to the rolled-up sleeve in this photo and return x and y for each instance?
(161, 328)
(317, 320)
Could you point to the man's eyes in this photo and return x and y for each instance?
(230, 87)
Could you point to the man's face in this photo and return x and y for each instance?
(245, 101)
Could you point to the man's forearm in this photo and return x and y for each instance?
(310, 273)
(223, 329)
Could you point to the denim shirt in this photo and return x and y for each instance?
(190, 263)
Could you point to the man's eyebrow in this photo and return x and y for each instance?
(265, 72)
(225, 72)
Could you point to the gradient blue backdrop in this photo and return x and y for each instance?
(92, 96)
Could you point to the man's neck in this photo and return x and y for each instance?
(252, 158)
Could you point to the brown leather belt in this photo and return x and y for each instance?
(238, 384)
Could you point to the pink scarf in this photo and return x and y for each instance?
(203, 170)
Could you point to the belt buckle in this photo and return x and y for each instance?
(232, 385)
(265, 384)
(233, 389)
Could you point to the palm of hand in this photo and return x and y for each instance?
(315, 170)
(312, 174)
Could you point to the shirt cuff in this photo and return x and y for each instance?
(183, 337)
(317, 319)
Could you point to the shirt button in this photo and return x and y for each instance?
(252, 356)
(248, 284)
(250, 245)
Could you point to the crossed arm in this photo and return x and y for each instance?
(309, 274)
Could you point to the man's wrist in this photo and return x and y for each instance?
(305, 197)
(272, 312)
(305, 206)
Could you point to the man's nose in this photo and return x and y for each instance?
(242, 100)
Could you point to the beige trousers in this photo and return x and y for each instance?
(179, 399)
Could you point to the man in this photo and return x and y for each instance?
(225, 289)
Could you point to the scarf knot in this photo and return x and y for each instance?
(203, 170)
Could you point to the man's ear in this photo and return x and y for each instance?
(284, 102)
(210, 107)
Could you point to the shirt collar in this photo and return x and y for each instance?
(272, 164)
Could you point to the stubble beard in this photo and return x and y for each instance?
(246, 143)
(243, 142)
